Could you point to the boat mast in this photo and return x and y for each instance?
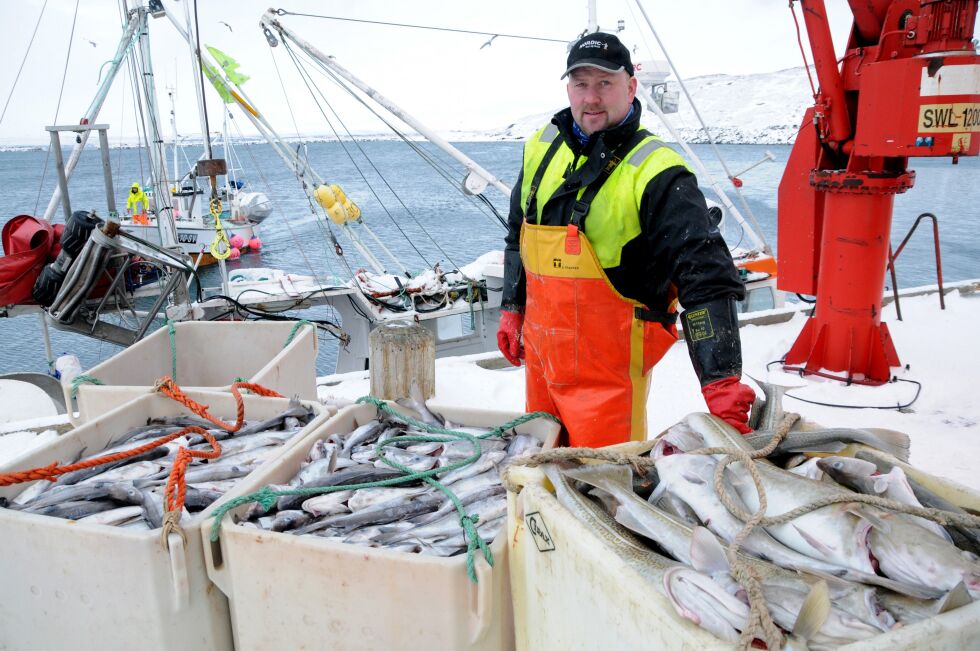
(157, 156)
(173, 125)
(474, 186)
(197, 80)
(257, 119)
(125, 45)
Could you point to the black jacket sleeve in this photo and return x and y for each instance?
(686, 249)
(515, 290)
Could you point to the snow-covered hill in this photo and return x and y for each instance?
(759, 109)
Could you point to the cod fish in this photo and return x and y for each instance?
(835, 440)
(857, 613)
(847, 534)
(862, 476)
(701, 601)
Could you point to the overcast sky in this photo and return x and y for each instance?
(447, 80)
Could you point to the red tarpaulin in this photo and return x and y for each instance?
(28, 244)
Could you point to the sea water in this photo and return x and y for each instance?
(419, 211)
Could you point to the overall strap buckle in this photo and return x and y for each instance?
(573, 244)
(579, 210)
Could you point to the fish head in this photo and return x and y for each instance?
(854, 473)
(697, 598)
(677, 438)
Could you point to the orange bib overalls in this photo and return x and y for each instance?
(588, 354)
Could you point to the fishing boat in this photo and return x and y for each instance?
(239, 208)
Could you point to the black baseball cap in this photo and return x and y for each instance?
(599, 50)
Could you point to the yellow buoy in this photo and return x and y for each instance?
(334, 201)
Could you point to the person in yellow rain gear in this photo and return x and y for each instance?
(137, 197)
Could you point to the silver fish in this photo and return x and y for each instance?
(76, 509)
(965, 537)
(487, 509)
(695, 546)
(114, 516)
(366, 498)
(652, 567)
(329, 503)
(319, 469)
(275, 422)
(363, 434)
(690, 477)
(862, 476)
(414, 462)
(846, 534)
(487, 461)
(80, 492)
(128, 472)
(355, 475)
(216, 472)
(385, 513)
(290, 519)
(767, 412)
(417, 404)
(836, 439)
(153, 508)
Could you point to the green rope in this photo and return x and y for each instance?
(292, 333)
(172, 331)
(81, 379)
(496, 431)
(468, 522)
(267, 497)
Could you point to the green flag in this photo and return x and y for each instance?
(229, 65)
(218, 83)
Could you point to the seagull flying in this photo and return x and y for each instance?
(226, 25)
(487, 44)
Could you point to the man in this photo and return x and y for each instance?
(608, 232)
(137, 197)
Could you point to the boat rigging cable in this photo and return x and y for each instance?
(307, 80)
(23, 61)
(680, 81)
(57, 109)
(288, 223)
(283, 12)
(799, 41)
(371, 163)
(204, 104)
(447, 173)
(338, 250)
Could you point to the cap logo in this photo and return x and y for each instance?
(593, 43)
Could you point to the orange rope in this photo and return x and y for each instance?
(169, 388)
(54, 470)
(176, 486)
(175, 500)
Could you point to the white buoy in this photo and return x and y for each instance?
(402, 361)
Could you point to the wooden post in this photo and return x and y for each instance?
(402, 361)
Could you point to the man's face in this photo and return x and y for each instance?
(600, 99)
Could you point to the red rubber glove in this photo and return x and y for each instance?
(730, 400)
(509, 336)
